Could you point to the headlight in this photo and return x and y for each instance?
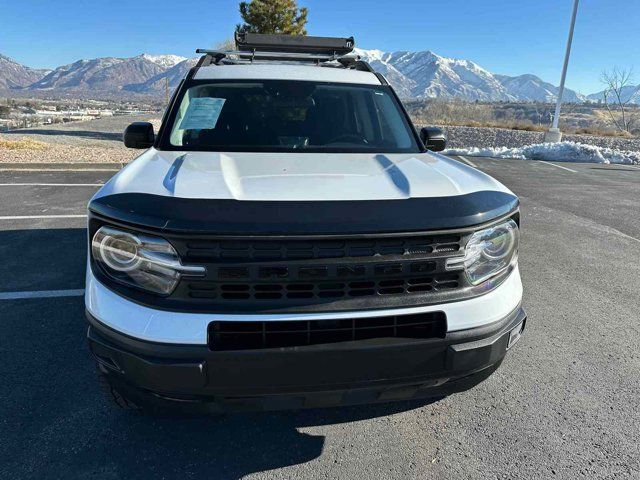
(142, 261)
(490, 251)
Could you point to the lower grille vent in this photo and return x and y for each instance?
(225, 336)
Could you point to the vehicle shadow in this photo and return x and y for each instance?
(56, 423)
(233, 446)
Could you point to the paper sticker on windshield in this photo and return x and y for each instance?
(202, 113)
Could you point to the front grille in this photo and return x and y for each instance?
(225, 336)
(264, 250)
(321, 290)
(270, 274)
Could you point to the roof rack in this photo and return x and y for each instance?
(252, 47)
(253, 42)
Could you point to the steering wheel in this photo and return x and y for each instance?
(349, 138)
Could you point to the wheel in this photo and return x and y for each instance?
(115, 398)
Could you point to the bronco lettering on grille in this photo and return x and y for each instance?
(281, 272)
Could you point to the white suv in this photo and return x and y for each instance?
(290, 240)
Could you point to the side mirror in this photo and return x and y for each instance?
(139, 135)
(433, 138)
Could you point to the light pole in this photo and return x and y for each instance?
(554, 134)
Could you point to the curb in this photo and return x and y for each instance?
(115, 166)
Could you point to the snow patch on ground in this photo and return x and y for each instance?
(559, 152)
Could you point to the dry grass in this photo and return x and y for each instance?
(22, 144)
(530, 117)
(528, 127)
(600, 132)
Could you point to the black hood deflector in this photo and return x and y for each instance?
(240, 217)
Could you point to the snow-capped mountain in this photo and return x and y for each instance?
(378, 60)
(422, 74)
(166, 61)
(106, 74)
(531, 88)
(157, 83)
(428, 75)
(15, 75)
(630, 93)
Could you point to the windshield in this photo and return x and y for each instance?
(289, 115)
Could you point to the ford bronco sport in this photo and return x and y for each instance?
(289, 240)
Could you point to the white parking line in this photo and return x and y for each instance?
(467, 161)
(51, 184)
(59, 170)
(37, 217)
(41, 294)
(558, 166)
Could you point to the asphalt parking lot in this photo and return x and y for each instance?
(564, 404)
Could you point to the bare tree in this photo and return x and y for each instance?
(227, 44)
(618, 95)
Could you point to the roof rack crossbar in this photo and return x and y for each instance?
(335, 52)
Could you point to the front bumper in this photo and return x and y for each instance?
(366, 371)
(181, 328)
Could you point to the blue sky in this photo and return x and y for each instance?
(505, 36)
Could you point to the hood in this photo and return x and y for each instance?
(298, 176)
(300, 194)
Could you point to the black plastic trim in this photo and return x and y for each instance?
(375, 368)
(234, 217)
(515, 215)
(383, 80)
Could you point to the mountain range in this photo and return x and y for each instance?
(13, 75)
(414, 75)
(629, 93)
(107, 74)
(428, 75)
